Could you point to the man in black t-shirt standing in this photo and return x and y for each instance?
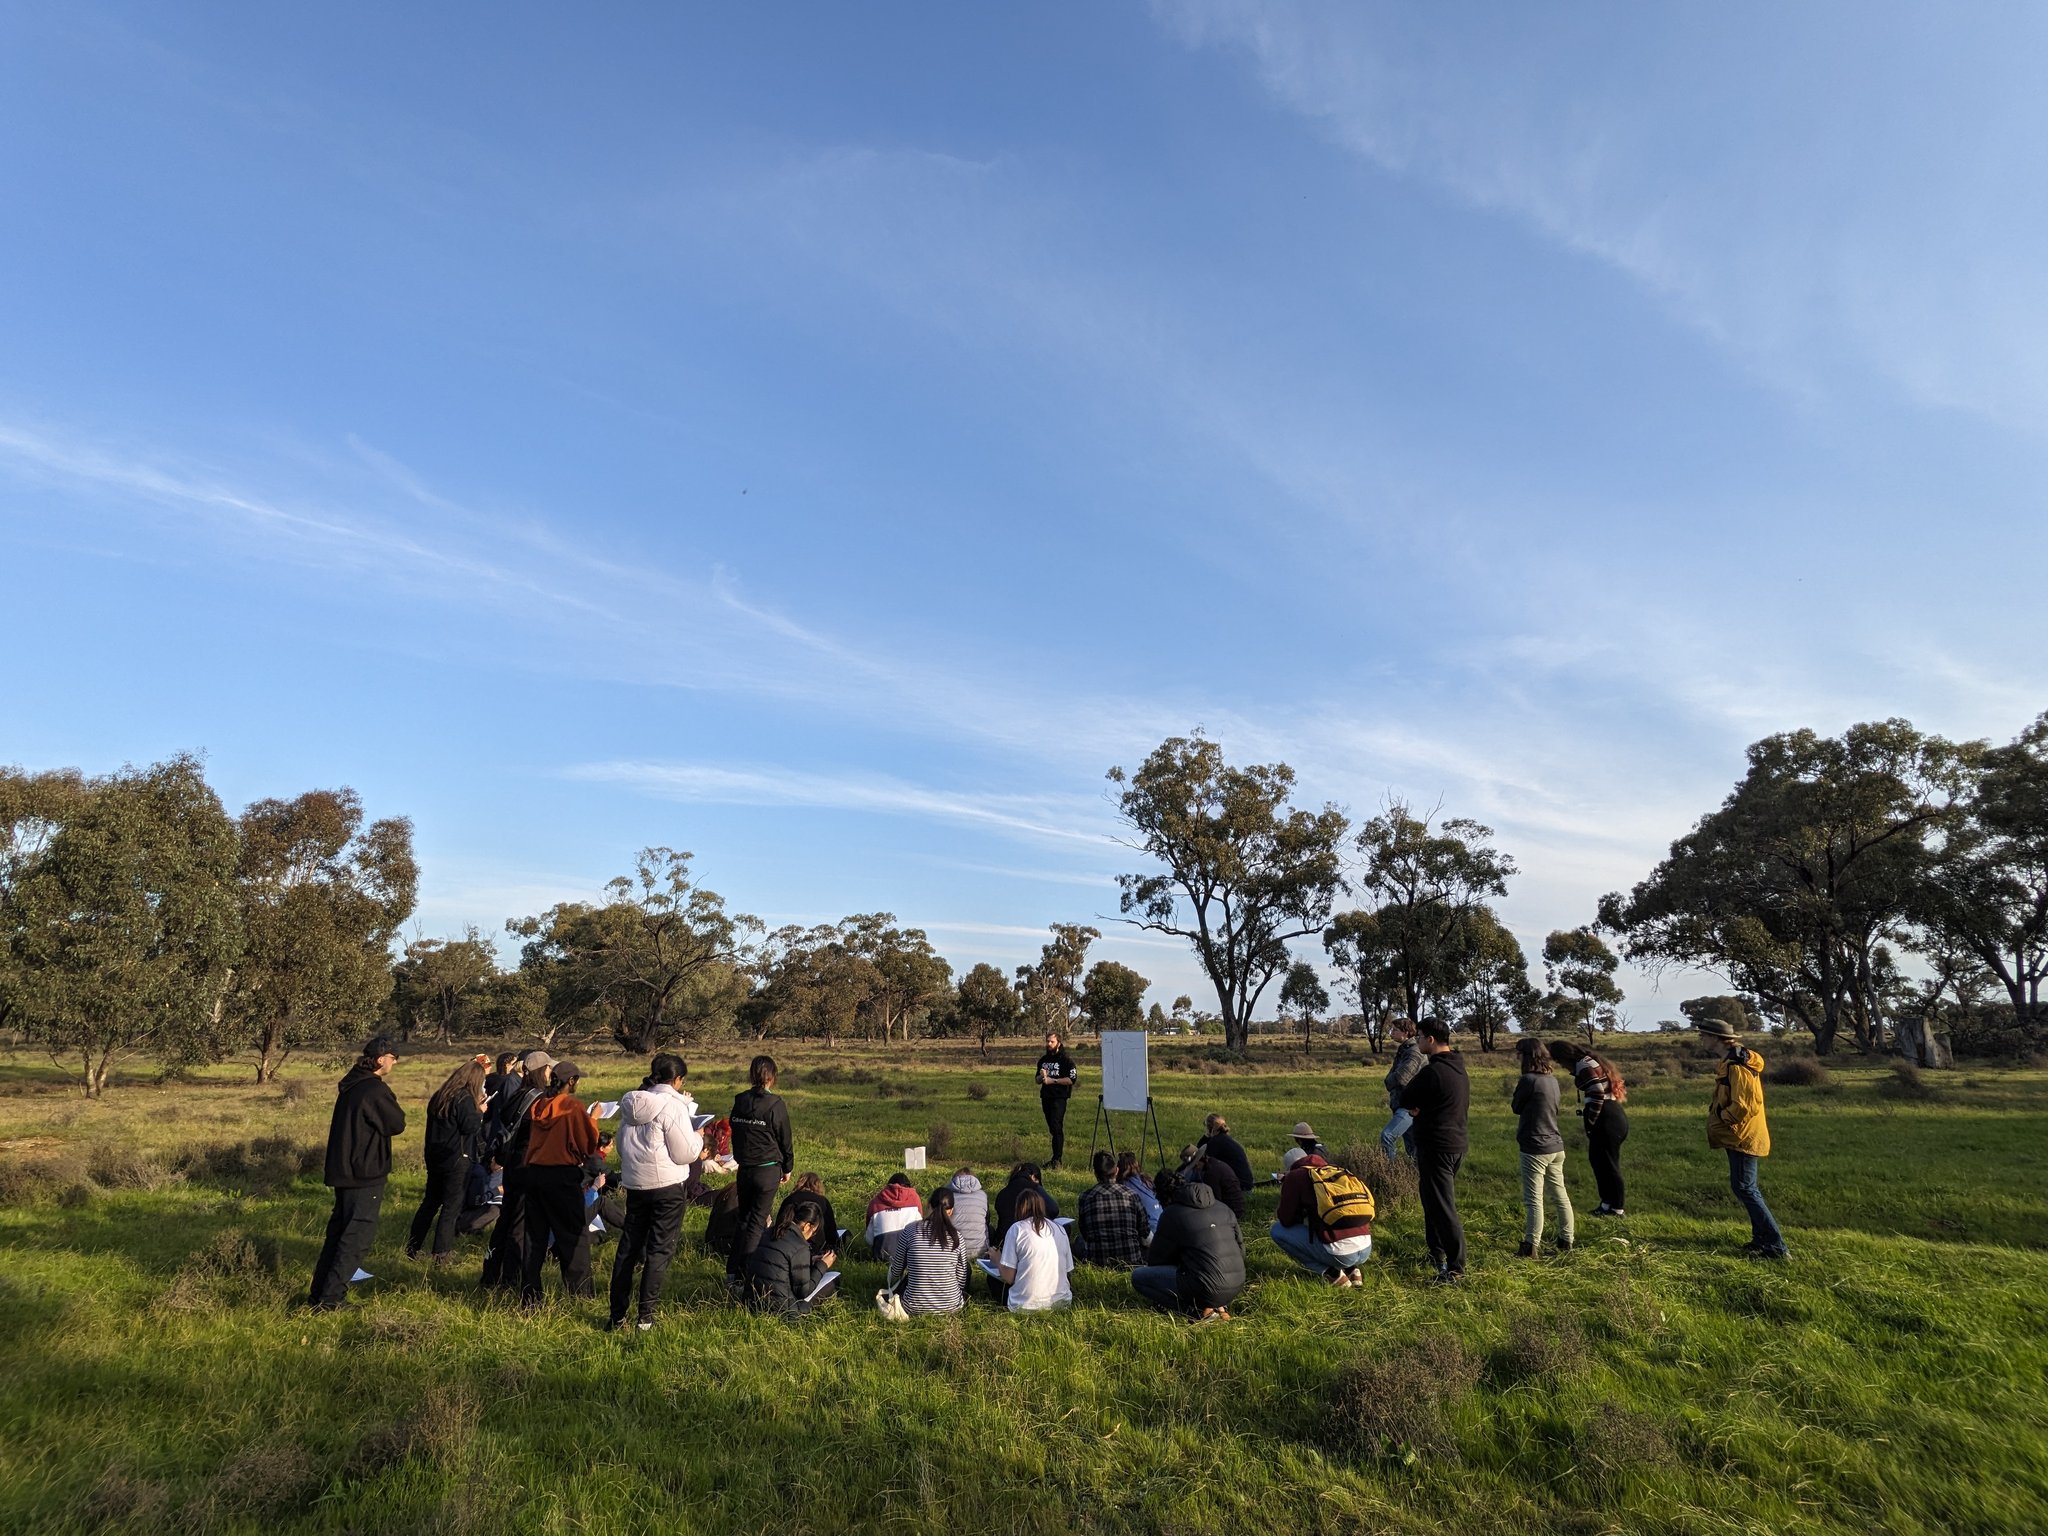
(1056, 1074)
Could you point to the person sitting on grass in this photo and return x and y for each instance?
(782, 1271)
(1139, 1183)
(1036, 1259)
(722, 1222)
(825, 1241)
(1199, 1167)
(483, 1198)
(1542, 1147)
(928, 1261)
(1196, 1263)
(1219, 1143)
(970, 1211)
(894, 1207)
(1112, 1222)
(1735, 1123)
(1324, 1222)
(1024, 1178)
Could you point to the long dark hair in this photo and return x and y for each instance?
(1534, 1053)
(937, 1227)
(465, 1082)
(1031, 1207)
(796, 1212)
(761, 1072)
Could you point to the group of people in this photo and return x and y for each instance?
(515, 1152)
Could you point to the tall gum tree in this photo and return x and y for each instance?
(1244, 873)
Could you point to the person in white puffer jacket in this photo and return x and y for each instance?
(657, 1145)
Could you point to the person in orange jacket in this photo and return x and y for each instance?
(560, 1139)
(1735, 1123)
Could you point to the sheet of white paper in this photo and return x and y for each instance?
(913, 1159)
(698, 1122)
(361, 1274)
(842, 1237)
(1065, 1221)
(1125, 1084)
(831, 1279)
(597, 1223)
(605, 1110)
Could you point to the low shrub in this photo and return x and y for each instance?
(438, 1430)
(977, 1091)
(1906, 1082)
(1798, 1072)
(264, 1165)
(938, 1140)
(118, 1167)
(1397, 1402)
(1538, 1347)
(1391, 1179)
(294, 1090)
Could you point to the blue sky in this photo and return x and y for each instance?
(827, 438)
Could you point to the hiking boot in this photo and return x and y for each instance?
(1774, 1255)
(1450, 1276)
(1564, 1247)
(1526, 1251)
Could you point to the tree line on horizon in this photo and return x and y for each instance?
(1843, 884)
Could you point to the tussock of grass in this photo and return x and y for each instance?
(1400, 1399)
(1798, 1072)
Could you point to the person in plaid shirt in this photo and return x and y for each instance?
(1114, 1230)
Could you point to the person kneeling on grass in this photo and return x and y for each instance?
(1325, 1219)
(1196, 1264)
(1036, 1259)
(782, 1271)
(928, 1261)
(1735, 1123)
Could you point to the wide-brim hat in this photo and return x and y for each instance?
(1301, 1129)
(1720, 1029)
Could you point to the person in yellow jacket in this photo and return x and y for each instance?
(1735, 1123)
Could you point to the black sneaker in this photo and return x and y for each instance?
(1526, 1251)
(1564, 1248)
(1450, 1276)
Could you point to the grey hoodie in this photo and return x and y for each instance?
(970, 1212)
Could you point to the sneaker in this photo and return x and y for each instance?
(1603, 1209)
(1564, 1247)
(1450, 1276)
(1526, 1251)
(1341, 1278)
(1355, 1280)
(346, 1304)
(644, 1327)
(1774, 1255)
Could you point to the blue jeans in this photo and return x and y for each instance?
(1402, 1129)
(1158, 1284)
(1763, 1229)
(1299, 1246)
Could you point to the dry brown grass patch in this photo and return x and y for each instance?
(1400, 1400)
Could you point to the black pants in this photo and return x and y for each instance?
(757, 1188)
(1603, 1150)
(1436, 1178)
(350, 1231)
(553, 1208)
(654, 1225)
(441, 1209)
(1055, 1106)
(507, 1255)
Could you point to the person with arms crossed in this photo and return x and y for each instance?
(1438, 1097)
(1057, 1075)
(366, 1116)
(1400, 1129)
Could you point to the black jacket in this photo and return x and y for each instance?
(826, 1239)
(1219, 1178)
(760, 1131)
(454, 1134)
(503, 1123)
(1225, 1146)
(366, 1117)
(1201, 1240)
(781, 1273)
(1438, 1097)
(1006, 1204)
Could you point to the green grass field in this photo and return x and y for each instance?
(156, 1373)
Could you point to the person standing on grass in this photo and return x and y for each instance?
(505, 1074)
(657, 1147)
(1324, 1222)
(1036, 1259)
(455, 1118)
(366, 1116)
(1542, 1146)
(1602, 1095)
(928, 1260)
(766, 1154)
(1735, 1123)
(504, 1142)
(560, 1146)
(1219, 1143)
(1057, 1075)
(1408, 1060)
(1438, 1097)
(1196, 1261)
(1113, 1226)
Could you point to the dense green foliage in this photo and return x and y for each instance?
(156, 1375)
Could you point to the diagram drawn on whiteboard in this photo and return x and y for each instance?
(1126, 1083)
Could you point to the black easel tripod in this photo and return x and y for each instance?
(1104, 1125)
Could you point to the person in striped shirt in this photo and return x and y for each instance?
(927, 1260)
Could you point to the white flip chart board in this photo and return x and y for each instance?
(1125, 1083)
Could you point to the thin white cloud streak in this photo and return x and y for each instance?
(1869, 199)
(1051, 818)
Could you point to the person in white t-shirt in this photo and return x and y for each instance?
(1036, 1260)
